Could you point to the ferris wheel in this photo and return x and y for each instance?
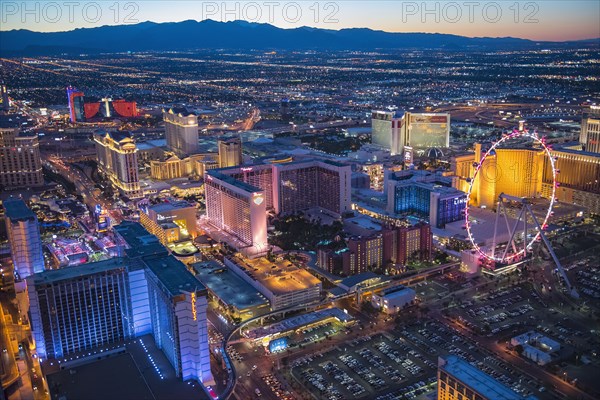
(520, 239)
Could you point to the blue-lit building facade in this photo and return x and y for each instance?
(144, 291)
(23, 229)
(425, 195)
(80, 308)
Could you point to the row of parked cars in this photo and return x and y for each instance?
(410, 392)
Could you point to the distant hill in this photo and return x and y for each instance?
(208, 34)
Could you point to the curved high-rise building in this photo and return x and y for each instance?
(117, 159)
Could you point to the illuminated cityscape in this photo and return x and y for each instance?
(318, 209)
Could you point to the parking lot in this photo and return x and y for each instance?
(587, 277)
(378, 367)
(503, 313)
(500, 310)
(437, 338)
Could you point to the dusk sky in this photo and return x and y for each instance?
(540, 20)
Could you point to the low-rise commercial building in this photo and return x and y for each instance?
(537, 347)
(283, 283)
(242, 300)
(393, 299)
(171, 221)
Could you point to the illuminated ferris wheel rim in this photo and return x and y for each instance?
(515, 134)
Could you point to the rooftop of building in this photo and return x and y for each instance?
(11, 120)
(483, 384)
(16, 209)
(228, 286)
(173, 274)
(151, 144)
(170, 206)
(231, 140)
(57, 275)
(364, 278)
(218, 174)
(139, 241)
(180, 110)
(530, 336)
(396, 290)
(432, 182)
(117, 136)
(279, 277)
(573, 148)
(361, 225)
(299, 321)
(394, 114)
(313, 160)
(417, 175)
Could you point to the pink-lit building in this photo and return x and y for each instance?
(299, 185)
(237, 198)
(237, 209)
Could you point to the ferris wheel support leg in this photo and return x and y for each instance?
(501, 200)
(570, 288)
(512, 235)
(525, 237)
(496, 228)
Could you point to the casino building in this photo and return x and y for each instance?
(20, 160)
(181, 131)
(237, 198)
(237, 209)
(144, 291)
(528, 173)
(579, 178)
(459, 380)
(117, 159)
(396, 130)
(425, 195)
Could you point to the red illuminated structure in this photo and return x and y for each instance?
(108, 108)
(76, 104)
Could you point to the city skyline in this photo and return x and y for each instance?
(247, 211)
(538, 21)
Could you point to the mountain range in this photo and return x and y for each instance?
(242, 35)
